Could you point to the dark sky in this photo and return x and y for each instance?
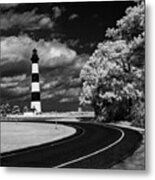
(65, 34)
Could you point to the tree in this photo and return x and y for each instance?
(108, 77)
(113, 77)
(131, 29)
(15, 109)
(25, 109)
(2, 110)
(8, 108)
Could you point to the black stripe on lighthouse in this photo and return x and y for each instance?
(35, 96)
(35, 77)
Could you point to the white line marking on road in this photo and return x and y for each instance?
(94, 153)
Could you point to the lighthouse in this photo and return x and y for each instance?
(35, 86)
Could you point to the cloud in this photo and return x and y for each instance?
(50, 84)
(74, 82)
(73, 92)
(13, 79)
(51, 53)
(46, 95)
(70, 95)
(73, 42)
(54, 53)
(14, 87)
(57, 12)
(15, 49)
(65, 100)
(46, 22)
(73, 16)
(11, 94)
(9, 85)
(19, 90)
(28, 20)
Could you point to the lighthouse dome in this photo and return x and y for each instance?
(34, 57)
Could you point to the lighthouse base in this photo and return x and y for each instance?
(36, 106)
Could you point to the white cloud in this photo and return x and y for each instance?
(73, 16)
(13, 78)
(9, 85)
(46, 22)
(18, 90)
(15, 84)
(60, 92)
(26, 20)
(57, 12)
(14, 49)
(51, 53)
(46, 95)
(63, 100)
(73, 92)
(50, 84)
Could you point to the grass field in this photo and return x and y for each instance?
(20, 135)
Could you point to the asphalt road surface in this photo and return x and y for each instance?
(93, 146)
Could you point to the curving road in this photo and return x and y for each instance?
(93, 146)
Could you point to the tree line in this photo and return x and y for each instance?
(6, 109)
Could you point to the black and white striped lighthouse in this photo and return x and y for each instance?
(35, 86)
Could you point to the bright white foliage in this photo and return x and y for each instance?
(107, 66)
(113, 77)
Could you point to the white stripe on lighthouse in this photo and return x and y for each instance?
(36, 105)
(35, 87)
(35, 68)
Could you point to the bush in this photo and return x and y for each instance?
(138, 114)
